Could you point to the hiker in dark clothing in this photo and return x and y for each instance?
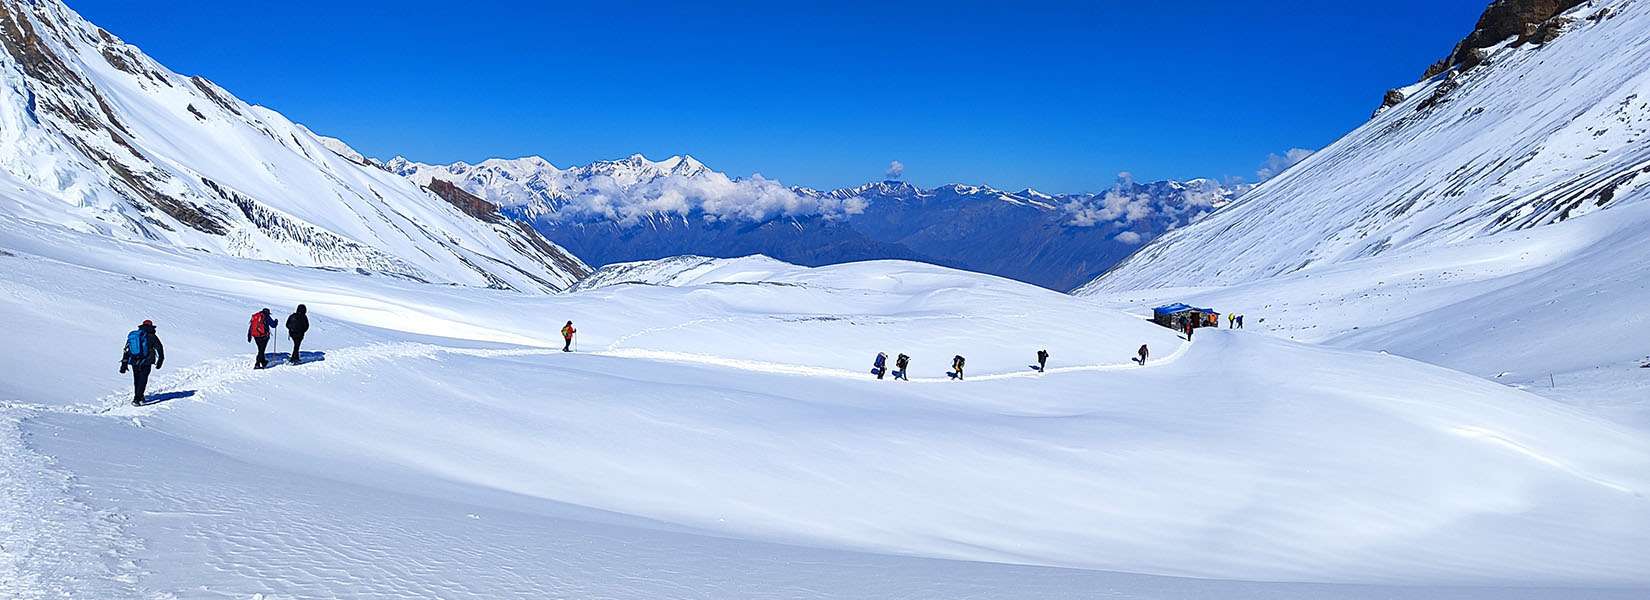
(1240, 321)
(258, 331)
(1190, 325)
(296, 324)
(901, 363)
(880, 365)
(957, 365)
(143, 350)
(1144, 353)
(1042, 360)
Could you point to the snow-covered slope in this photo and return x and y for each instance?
(637, 209)
(726, 408)
(1548, 130)
(97, 136)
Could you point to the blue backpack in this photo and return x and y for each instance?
(137, 347)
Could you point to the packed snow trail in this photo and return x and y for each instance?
(813, 371)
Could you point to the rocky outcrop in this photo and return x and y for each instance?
(1526, 20)
(465, 201)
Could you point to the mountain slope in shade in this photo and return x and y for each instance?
(99, 137)
(1542, 130)
(637, 209)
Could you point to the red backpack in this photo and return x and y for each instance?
(260, 328)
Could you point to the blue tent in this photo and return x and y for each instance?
(1167, 314)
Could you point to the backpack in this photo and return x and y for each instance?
(260, 327)
(958, 361)
(902, 361)
(137, 347)
(882, 359)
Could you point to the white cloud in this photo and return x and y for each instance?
(1128, 237)
(713, 196)
(1276, 164)
(896, 169)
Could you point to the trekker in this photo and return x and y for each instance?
(258, 332)
(143, 349)
(880, 365)
(1042, 360)
(957, 365)
(1240, 321)
(296, 324)
(1144, 353)
(567, 332)
(901, 363)
(1190, 325)
(1231, 320)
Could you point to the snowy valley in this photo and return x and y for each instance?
(1379, 430)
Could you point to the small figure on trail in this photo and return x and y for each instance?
(297, 324)
(143, 350)
(567, 332)
(1240, 321)
(258, 332)
(957, 365)
(1144, 353)
(1190, 325)
(901, 363)
(1042, 360)
(880, 365)
(1231, 320)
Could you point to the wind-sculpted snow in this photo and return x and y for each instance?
(718, 430)
(97, 136)
(1537, 134)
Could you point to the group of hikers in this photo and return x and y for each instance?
(144, 352)
(902, 364)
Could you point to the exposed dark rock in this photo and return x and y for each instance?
(211, 91)
(1550, 30)
(1392, 98)
(196, 112)
(469, 203)
(1522, 19)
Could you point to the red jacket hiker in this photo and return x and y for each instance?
(567, 332)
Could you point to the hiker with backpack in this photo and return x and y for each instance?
(1144, 352)
(567, 332)
(957, 365)
(901, 363)
(1042, 360)
(258, 331)
(297, 324)
(143, 350)
(880, 365)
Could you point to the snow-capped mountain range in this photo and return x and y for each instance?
(97, 136)
(638, 209)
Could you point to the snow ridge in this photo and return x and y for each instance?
(96, 136)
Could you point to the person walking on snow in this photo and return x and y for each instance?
(143, 350)
(1240, 321)
(901, 363)
(1190, 325)
(880, 365)
(567, 332)
(1144, 353)
(1042, 360)
(258, 331)
(296, 324)
(1231, 320)
(957, 365)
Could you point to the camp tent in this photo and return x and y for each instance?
(1172, 315)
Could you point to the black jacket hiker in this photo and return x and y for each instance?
(1144, 353)
(143, 351)
(1042, 360)
(901, 363)
(957, 364)
(297, 324)
(258, 331)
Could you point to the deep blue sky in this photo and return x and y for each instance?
(1060, 97)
